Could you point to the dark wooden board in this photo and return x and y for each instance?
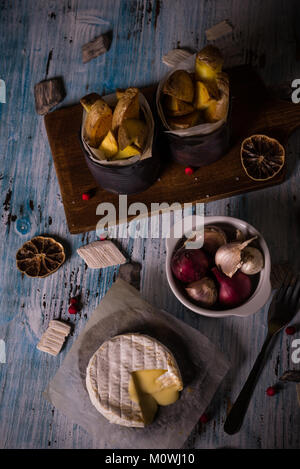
(253, 111)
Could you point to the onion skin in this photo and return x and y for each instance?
(214, 238)
(189, 265)
(203, 291)
(228, 257)
(233, 291)
(253, 261)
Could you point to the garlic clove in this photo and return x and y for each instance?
(253, 261)
(228, 257)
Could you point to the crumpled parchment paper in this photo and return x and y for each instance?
(98, 156)
(200, 129)
(202, 366)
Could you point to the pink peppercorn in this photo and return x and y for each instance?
(73, 301)
(73, 309)
(204, 418)
(189, 171)
(271, 391)
(86, 196)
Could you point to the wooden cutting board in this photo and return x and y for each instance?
(253, 111)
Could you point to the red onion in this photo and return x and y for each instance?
(189, 265)
(233, 291)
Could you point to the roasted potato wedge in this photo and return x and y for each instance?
(120, 93)
(88, 100)
(202, 97)
(109, 145)
(184, 122)
(127, 108)
(175, 107)
(218, 108)
(180, 85)
(128, 152)
(98, 122)
(132, 131)
(209, 62)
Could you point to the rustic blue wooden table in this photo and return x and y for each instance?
(42, 39)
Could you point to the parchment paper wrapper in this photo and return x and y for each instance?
(202, 366)
(201, 129)
(98, 156)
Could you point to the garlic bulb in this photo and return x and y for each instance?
(203, 291)
(214, 237)
(229, 257)
(253, 261)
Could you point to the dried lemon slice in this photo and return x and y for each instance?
(40, 257)
(262, 157)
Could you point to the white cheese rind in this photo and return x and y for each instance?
(109, 371)
(100, 254)
(53, 338)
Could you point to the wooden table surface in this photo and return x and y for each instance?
(42, 39)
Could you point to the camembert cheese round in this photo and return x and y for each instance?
(129, 376)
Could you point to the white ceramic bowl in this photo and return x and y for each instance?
(263, 289)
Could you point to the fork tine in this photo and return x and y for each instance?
(285, 284)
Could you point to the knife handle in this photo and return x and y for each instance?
(238, 411)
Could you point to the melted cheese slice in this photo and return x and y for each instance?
(148, 393)
(129, 376)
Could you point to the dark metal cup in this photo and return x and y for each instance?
(129, 179)
(199, 150)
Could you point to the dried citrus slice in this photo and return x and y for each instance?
(262, 157)
(40, 257)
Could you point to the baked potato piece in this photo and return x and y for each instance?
(180, 85)
(209, 62)
(218, 108)
(120, 93)
(184, 122)
(127, 107)
(132, 131)
(109, 145)
(202, 97)
(175, 107)
(128, 152)
(88, 100)
(98, 122)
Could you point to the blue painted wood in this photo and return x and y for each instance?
(43, 39)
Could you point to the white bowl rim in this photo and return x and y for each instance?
(263, 290)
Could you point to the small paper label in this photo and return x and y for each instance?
(2, 91)
(2, 351)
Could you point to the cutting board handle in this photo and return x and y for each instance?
(285, 118)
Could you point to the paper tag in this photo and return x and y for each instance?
(218, 30)
(2, 351)
(2, 91)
